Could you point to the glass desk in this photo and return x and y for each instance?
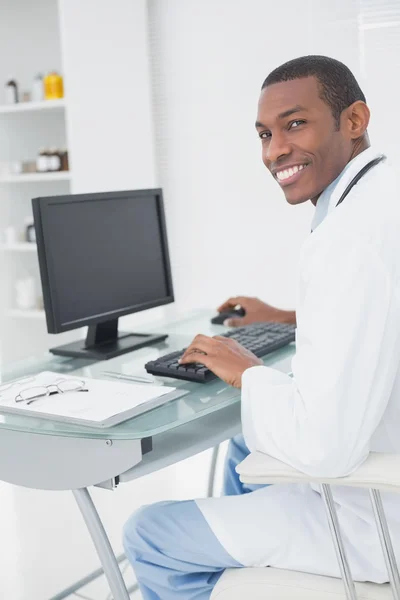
(68, 457)
(201, 400)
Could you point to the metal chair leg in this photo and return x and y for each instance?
(333, 521)
(213, 468)
(386, 542)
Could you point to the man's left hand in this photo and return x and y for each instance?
(223, 356)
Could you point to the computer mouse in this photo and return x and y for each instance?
(231, 314)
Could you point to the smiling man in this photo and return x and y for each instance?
(344, 398)
(305, 146)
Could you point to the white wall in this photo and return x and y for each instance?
(380, 63)
(231, 231)
(29, 41)
(109, 118)
(109, 122)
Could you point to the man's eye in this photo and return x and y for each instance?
(265, 135)
(296, 123)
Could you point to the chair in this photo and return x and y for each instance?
(379, 472)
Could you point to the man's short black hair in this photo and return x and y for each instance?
(339, 87)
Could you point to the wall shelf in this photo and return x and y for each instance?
(32, 106)
(36, 177)
(19, 247)
(25, 128)
(34, 313)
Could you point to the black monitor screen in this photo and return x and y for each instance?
(105, 255)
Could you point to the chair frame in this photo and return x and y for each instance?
(259, 468)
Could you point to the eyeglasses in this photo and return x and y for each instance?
(62, 386)
(7, 386)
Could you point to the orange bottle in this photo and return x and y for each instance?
(53, 86)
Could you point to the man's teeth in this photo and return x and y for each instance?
(282, 175)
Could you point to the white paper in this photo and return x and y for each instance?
(103, 400)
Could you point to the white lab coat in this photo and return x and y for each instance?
(344, 398)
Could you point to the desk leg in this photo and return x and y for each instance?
(102, 544)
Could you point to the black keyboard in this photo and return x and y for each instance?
(259, 338)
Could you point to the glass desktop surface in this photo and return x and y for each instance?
(201, 399)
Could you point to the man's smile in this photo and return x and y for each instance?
(289, 174)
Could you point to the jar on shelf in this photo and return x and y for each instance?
(29, 166)
(53, 160)
(53, 86)
(42, 161)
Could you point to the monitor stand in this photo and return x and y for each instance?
(103, 342)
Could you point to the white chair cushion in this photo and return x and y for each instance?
(279, 584)
(380, 471)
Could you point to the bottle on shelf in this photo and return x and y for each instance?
(37, 88)
(11, 95)
(64, 159)
(53, 86)
(42, 160)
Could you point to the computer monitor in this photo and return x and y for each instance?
(102, 256)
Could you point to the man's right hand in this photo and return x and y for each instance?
(256, 312)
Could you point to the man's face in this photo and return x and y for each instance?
(300, 144)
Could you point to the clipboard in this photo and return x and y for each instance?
(103, 403)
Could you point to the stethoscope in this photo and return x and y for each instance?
(357, 178)
(360, 174)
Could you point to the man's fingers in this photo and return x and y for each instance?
(231, 303)
(187, 356)
(195, 356)
(201, 344)
(225, 340)
(225, 307)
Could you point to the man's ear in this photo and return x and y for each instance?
(356, 119)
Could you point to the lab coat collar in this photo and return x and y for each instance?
(331, 195)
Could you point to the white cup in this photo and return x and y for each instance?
(25, 297)
(10, 235)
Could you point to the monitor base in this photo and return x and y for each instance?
(125, 342)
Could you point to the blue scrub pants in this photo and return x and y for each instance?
(171, 547)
